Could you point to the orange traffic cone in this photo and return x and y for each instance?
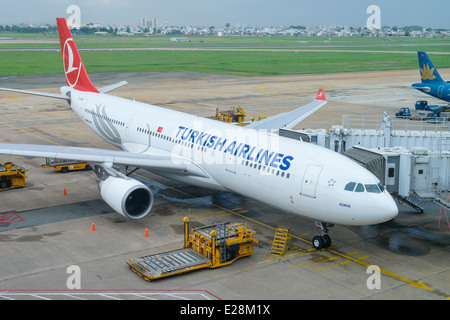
(64, 193)
(93, 226)
(146, 233)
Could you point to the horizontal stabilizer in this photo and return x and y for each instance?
(112, 87)
(37, 93)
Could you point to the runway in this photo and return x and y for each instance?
(273, 47)
(43, 231)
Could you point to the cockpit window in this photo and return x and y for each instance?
(359, 188)
(350, 186)
(372, 188)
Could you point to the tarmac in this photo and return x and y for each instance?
(44, 232)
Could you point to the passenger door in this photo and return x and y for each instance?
(440, 90)
(310, 179)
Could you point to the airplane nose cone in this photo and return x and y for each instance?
(389, 209)
(381, 210)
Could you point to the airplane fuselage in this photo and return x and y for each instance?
(291, 175)
(437, 90)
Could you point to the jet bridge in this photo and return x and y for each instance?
(412, 159)
(412, 176)
(372, 161)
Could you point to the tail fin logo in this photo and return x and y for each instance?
(321, 95)
(427, 73)
(72, 63)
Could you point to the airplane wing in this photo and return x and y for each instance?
(113, 157)
(288, 120)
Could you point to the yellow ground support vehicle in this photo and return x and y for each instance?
(205, 247)
(11, 176)
(236, 114)
(66, 165)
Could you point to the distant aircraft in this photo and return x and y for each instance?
(432, 83)
(291, 175)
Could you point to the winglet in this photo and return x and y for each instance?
(321, 95)
(76, 75)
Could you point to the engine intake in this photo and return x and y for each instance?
(128, 197)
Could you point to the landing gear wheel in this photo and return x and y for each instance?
(327, 241)
(323, 240)
(318, 242)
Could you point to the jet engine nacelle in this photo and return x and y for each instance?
(128, 197)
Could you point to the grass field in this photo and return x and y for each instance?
(253, 62)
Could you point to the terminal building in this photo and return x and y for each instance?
(411, 158)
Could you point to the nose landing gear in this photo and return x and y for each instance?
(322, 240)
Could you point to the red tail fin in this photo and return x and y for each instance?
(76, 75)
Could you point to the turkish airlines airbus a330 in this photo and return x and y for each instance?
(291, 175)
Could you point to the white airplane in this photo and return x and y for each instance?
(291, 175)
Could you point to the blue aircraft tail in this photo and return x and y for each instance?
(428, 73)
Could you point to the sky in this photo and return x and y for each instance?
(275, 13)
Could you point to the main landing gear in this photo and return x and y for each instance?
(323, 240)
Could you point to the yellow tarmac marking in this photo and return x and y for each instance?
(205, 215)
(213, 217)
(31, 134)
(333, 258)
(261, 86)
(417, 284)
